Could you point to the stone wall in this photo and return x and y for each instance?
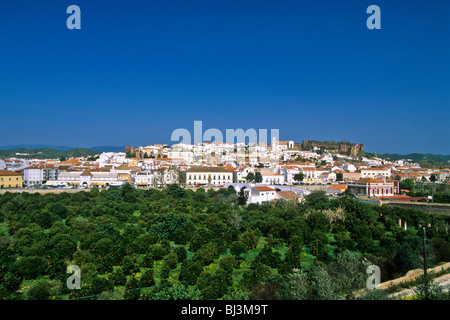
(413, 275)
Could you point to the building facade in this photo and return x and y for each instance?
(87, 179)
(208, 176)
(372, 187)
(39, 175)
(375, 173)
(260, 194)
(10, 179)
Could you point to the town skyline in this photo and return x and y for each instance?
(134, 73)
(264, 172)
(118, 148)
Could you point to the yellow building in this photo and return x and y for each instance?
(10, 179)
(125, 177)
(124, 172)
(132, 162)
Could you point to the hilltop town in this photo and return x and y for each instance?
(263, 172)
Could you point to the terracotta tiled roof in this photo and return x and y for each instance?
(71, 161)
(86, 173)
(9, 173)
(263, 188)
(123, 167)
(338, 187)
(229, 168)
(207, 169)
(270, 174)
(367, 180)
(288, 194)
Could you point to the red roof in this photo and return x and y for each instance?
(402, 198)
(9, 173)
(86, 173)
(338, 186)
(263, 188)
(369, 180)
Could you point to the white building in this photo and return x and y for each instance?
(87, 179)
(145, 179)
(272, 178)
(375, 173)
(208, 176)
(310, 174)
(373, 162)
(289, 173)
(186, 156)
(243, 172)
(349, 167)
(260, 194)
(281, 145)
(328, 176)
(32, 176)
(264, 193)
(328, 158)
(123, 168)
(39, 175)
(112, 158)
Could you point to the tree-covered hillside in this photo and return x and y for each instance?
(46, 153)
(417, 157)
(184, 244)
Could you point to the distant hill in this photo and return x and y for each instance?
(65, 148)
(36, 146)
(46, 153)
(109, 148)
(416, 157)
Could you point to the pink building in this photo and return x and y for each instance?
(351, 176)
(372, 187)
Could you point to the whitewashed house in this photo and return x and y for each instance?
(260, 194)
(349, 167)
(375, 173)
(272, 178)
(208, 176)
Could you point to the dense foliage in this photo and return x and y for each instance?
(418, 157)
(440, 192)
(204, 244)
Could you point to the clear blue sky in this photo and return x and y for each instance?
(137, 70)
